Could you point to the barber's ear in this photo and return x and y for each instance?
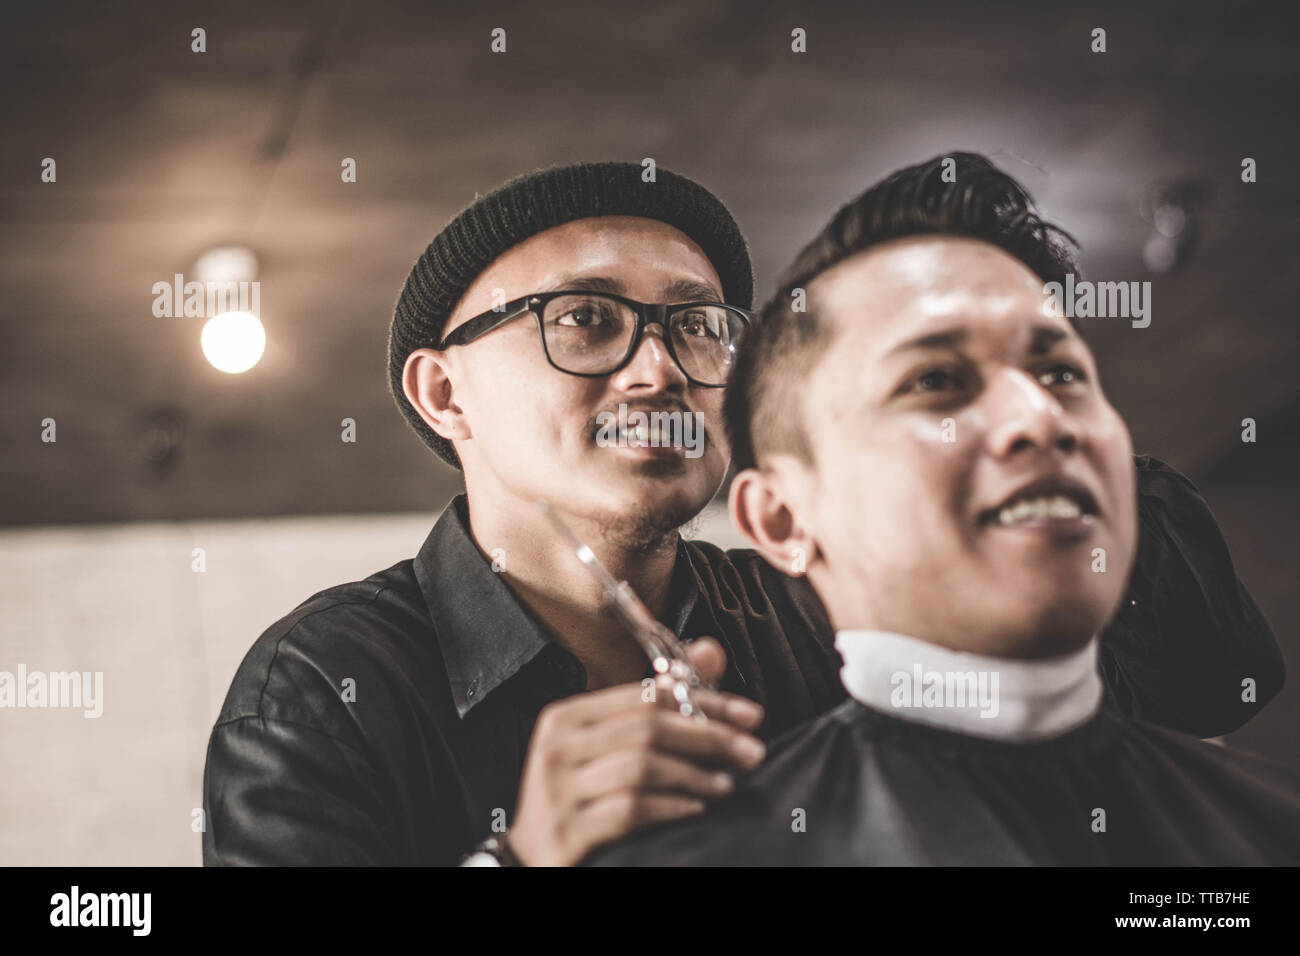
(426, 382)
(761, 511)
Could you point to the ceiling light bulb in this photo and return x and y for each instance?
(233, 341)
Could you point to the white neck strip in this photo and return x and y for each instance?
(997, 697)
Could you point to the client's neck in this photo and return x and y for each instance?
(1013, 699)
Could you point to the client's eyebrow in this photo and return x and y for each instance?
(1041, 340)
(947, 339)
(1044, 337)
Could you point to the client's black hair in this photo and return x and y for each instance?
(960, 194)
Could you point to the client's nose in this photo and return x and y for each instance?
(1024, 415)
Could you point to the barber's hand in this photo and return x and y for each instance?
(603, 764)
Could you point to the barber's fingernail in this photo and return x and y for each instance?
(748, 749)
(745, 710)
(721, 782)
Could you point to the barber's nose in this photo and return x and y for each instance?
(1025, 415)
(652, 368)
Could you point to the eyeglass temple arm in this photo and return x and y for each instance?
(483, 324)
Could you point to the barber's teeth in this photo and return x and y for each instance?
(1039, 509)
(648, 434)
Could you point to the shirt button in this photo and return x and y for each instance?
(473, 688)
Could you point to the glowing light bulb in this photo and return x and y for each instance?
(233, 341)
(226, 264)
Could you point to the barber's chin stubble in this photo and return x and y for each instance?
(646, 528)
(651, 526)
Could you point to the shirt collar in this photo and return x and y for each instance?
(1002, 698)
(485, 632)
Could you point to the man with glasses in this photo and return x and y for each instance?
(486, 685)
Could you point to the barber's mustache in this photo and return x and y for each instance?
(647, 406)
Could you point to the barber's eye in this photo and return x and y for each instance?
(1062, 374)
(697, 324)
(583, 316)
(692, 323)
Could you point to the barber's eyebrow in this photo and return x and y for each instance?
(1041, 340)
(688, 290)
(679, 290)
(591, 284)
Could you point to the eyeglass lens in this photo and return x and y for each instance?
(591, 334)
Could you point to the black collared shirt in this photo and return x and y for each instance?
(386, 721)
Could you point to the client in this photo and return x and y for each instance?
(930, 443)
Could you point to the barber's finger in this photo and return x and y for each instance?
(617, 814)
(708, 658)
(717, 705)
(710, 742)
(598, 705)
(642, 769)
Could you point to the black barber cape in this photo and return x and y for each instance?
(859, 787)
(419, 754)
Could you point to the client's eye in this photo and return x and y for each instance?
(934, 380)
(1062, 374)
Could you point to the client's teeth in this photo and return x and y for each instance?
(1063, 507)
(1037, 509)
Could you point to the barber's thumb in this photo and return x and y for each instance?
(708, 658)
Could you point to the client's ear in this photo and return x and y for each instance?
(426, 382)
(761, 511)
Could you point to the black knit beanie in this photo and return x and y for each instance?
(528, 205)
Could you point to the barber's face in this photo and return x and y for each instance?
(525, 429)
(970, 477)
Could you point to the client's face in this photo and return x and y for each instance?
(970, 481)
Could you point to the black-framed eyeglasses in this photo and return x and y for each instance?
(596, 333)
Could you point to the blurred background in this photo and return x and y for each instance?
(228, 162)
